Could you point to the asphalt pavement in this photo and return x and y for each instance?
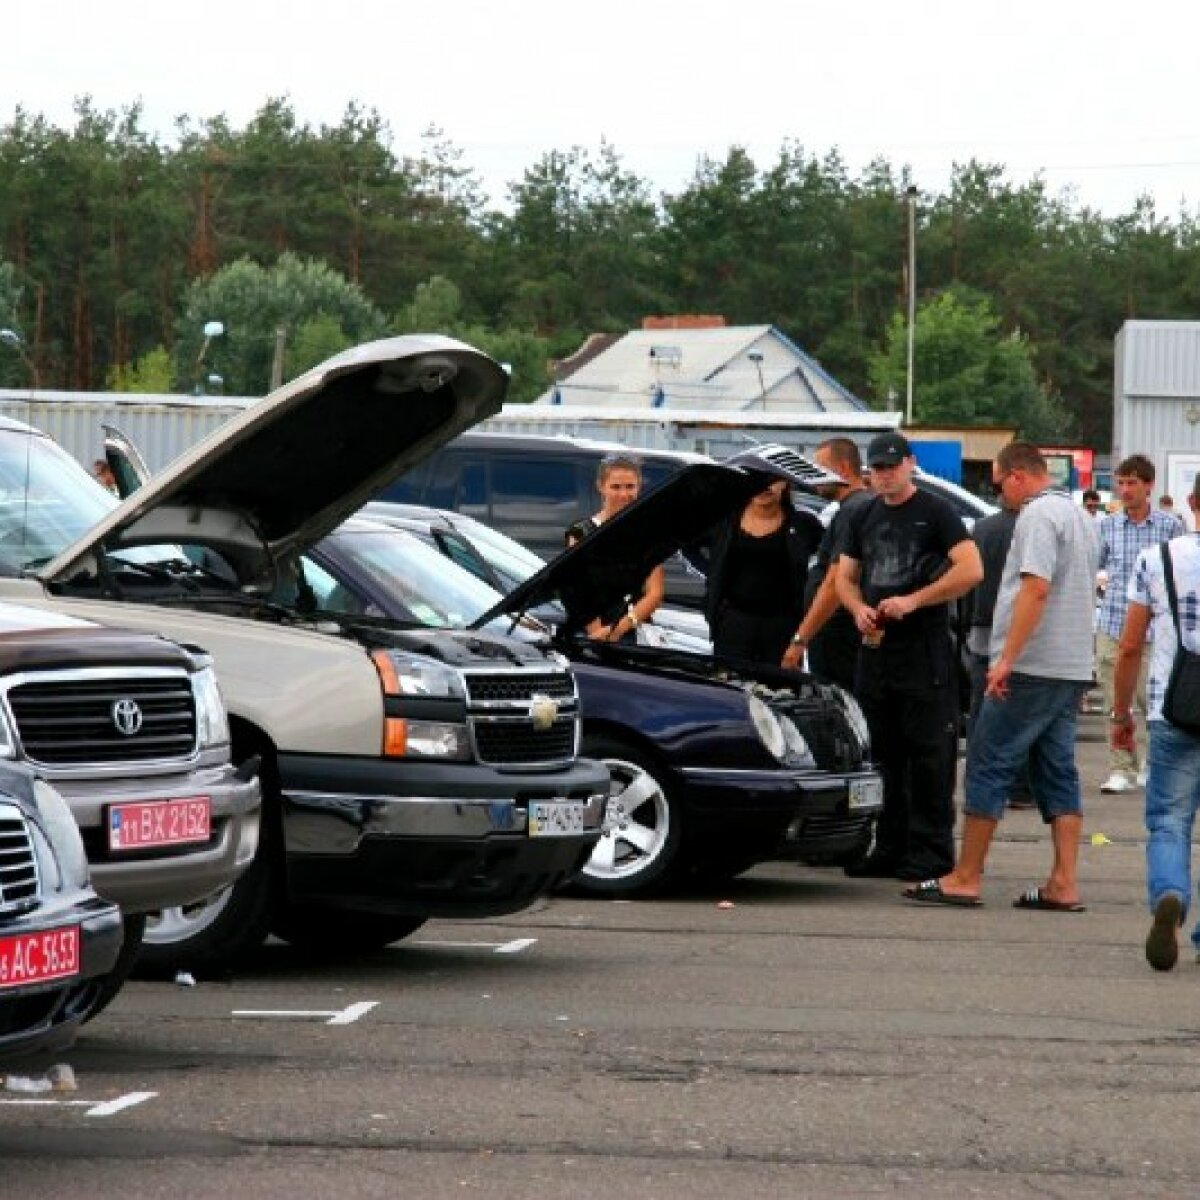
(796, 1033)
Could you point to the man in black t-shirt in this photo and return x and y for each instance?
(828, 631)
(907, 554)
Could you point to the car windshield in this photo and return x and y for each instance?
(435, 591)
(47, 500)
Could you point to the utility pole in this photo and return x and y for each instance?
(277, 358)
(911, 198)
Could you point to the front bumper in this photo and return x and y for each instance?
(45, 1016)
(429, 839)
(793, 809)
(149, 880)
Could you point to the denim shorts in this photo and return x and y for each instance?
(1035, 723)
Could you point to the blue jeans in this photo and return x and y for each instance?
(1035, 723)
(1172, 796)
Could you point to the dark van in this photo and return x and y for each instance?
(532, 487)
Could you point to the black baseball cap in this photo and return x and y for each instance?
(888, 450)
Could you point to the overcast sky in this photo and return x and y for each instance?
(1097, 97)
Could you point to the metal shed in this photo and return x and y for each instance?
(1156, 401)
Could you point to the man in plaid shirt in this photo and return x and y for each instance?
(1123, 536)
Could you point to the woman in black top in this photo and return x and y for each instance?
(757, 568)
(619, 480)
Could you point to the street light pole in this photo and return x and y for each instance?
(12, 339)
(212, 329)
(911, 198)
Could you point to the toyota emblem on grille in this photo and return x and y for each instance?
(542, 711)
(126, 716)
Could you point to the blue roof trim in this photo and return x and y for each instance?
(816, 367)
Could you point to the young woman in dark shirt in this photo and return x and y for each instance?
(619, 481)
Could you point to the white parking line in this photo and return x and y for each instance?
(337, 1016)
(95, 1108)
(513, 947)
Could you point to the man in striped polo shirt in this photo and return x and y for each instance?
(1123, 536)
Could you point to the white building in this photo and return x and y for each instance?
(1156, 401)
(709, 389)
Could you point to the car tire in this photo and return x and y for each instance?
(216, 934)
(107, 988)
(336, 933)
(639, 851)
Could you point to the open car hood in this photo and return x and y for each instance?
(613, 562)
(278, 477)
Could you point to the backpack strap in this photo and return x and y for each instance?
(1172, 598)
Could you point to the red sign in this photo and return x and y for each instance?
(149, 823)
(38, 957)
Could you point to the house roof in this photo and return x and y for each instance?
(735, 368)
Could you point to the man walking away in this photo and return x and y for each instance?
(1041, 658)
(1173, 783)
(828, 631)
(1123, 536)
(907, 554)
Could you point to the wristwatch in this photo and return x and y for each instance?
(1121, 716)
(797, 640)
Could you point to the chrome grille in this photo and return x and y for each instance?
(519, 686)
(19, 888)
(70, 720)
(517, 743)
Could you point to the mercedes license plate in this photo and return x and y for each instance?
(866, 793)
(555, 818)
(39, 957)
(146, 824)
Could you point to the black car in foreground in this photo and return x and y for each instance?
(714, 765)
(58, 940)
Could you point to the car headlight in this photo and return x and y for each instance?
(857, 719)
(212, 720)
(408, 675)
(797, 747)
(62, 832)
(426, 739)
(768, 727)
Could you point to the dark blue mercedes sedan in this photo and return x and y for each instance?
(714, 765)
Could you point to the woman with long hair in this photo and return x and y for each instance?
(619, 482)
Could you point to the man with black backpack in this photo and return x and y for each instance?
(1165, 591)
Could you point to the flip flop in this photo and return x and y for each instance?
(1034, 899)
(929, 891)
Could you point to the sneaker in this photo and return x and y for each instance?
(1162, 948)
(1118, 781)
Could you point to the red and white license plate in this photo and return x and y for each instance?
(148, 823)
(39, 957)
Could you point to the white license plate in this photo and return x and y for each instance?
(146, 824)
(555, 818)
(866, 793)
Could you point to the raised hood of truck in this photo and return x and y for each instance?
(278, 477)
(613, 562)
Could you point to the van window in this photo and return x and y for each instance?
(472, 490)
(534, 501)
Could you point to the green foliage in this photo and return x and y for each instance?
(967, 370)
(252, 302)
(150, 374)
(436, 307)
(117, 243)
(314, 341)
